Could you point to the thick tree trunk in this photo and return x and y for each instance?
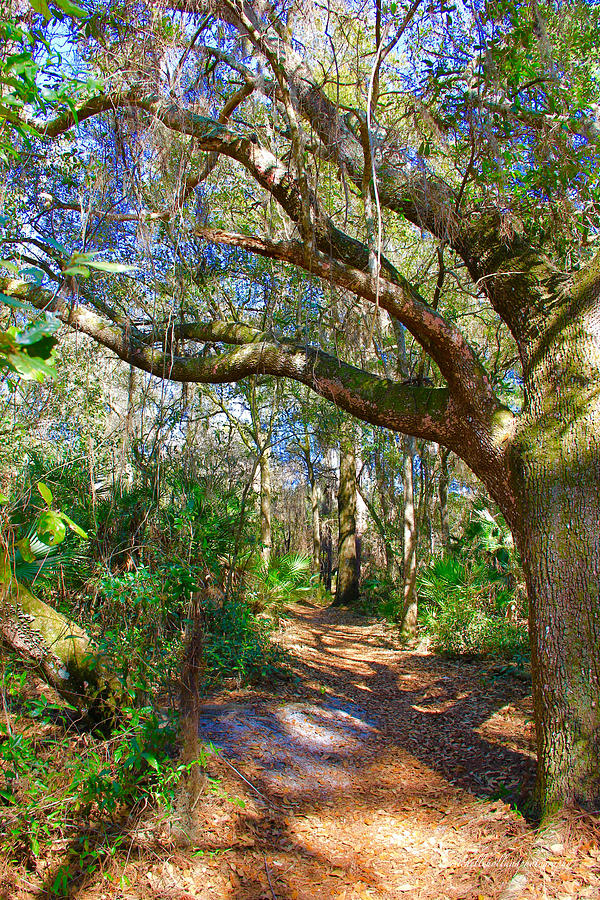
(265, 506)
(556, 469)
(443, 485)
(316, 526)
(55, 647)
(347, 588)
(408, 622)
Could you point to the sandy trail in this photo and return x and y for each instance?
(383, 774)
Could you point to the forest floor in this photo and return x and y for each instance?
(375, 773)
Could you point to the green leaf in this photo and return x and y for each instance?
(12, 301)
(60, 247)
(51, 527)
(38, 332)
(25, 550)
(45, 492)
(103, 266)
(34, 273)
(73, 526)
(41, 7)
(30, 368)
(77, 270)
(151, 760)
(71, 9)
(10, 265)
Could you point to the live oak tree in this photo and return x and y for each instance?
(340, 138)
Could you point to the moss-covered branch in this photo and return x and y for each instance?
(58, 649)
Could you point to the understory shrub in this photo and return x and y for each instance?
(464, 607)
(380, 597)
(238, 644)
(286, 579)
(60, 783)
(141, 619)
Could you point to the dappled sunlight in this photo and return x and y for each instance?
(344, 786)
(374, 782)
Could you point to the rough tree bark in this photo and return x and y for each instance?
(408, 620)
(348, 577)
(189, 707)
(555, 466)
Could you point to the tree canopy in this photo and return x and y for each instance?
(393, 204)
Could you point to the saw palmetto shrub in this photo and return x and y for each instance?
(467, 607)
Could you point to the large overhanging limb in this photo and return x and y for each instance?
(420, 196)
(424, 411)
(475, 242)
(481, 438)
(467, 379)
(214, 137)
(443, 342)
(423, 198)
(402, 187)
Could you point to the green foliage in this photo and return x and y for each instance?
(463, 608)
(32, 80)
(28, 352)
(237, 644)
(206, 521)
(139, 620)
(54, 782)
(40, 552)
(380, 597)
(286, 579)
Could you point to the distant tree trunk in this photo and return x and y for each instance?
(347, 588)
(326, 537)
(129, 430)
(265, 506)
(57, 648)
(390, 556)
(426, 505)
(362, 514)
(314, 504)
(326, 556)
(443, 498)
(385, 522)
(316, 526)
(408, 623)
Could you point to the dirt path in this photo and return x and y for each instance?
(384, 774)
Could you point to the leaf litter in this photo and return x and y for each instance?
(376, 773)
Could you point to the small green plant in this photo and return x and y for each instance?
(380, 597)
(238, 645)
(55, 783)
(285, 580)
(463, 608)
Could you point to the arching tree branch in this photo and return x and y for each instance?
(426, 412)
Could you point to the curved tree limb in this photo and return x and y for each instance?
(394, 293)
(479, 436)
